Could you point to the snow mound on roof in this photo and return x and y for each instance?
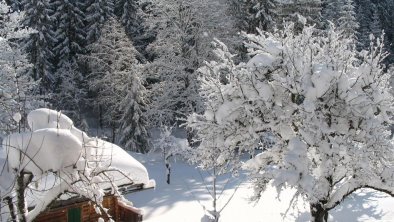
(42, 150)
(46, 118)
(56, 145)
(121, 160)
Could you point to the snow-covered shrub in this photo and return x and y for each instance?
(326, 104)
(170, 146)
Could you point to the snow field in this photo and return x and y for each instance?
(184, 198)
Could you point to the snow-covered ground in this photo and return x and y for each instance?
(184, 198)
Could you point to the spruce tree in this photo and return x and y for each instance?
(364, 18)
(330, 12)
(133, 124)
(347, 19)
(98, 12)
(38, 15)
(70, 29)
(375, 26)
(252, 14)
(386, 15)
(133, 14)
(116, 79)
(71, 41)
(301, 12)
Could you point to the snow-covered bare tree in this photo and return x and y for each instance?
(170, 147)
(328, 110)
(213, 152)
(17, 88)
(71, 92)
(184, 32)
(176, 47)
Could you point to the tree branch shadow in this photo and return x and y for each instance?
(360, 206)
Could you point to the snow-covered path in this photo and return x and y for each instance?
(182, 201)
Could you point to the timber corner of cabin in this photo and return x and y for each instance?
(78, 209)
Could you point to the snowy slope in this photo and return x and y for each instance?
(182, 200)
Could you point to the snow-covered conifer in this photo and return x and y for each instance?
(185, 30)
(347, 19)
(301, 12)
(252, 14)
(129, 11)
(70, 31)
(364, 16)
(116, 77)
(386, 15)
(375, 26)
(97, 12)
(38, 15)
(133, 131)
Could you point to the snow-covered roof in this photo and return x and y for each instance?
(122, 160)
(56, 145)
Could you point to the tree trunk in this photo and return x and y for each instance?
(20, 192)
(11, 208)
(22, 181)
(113, 134)
(318, 212)
(215, 212)
(168, 166)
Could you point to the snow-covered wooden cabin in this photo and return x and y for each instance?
(67, 174)
(71, 208)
